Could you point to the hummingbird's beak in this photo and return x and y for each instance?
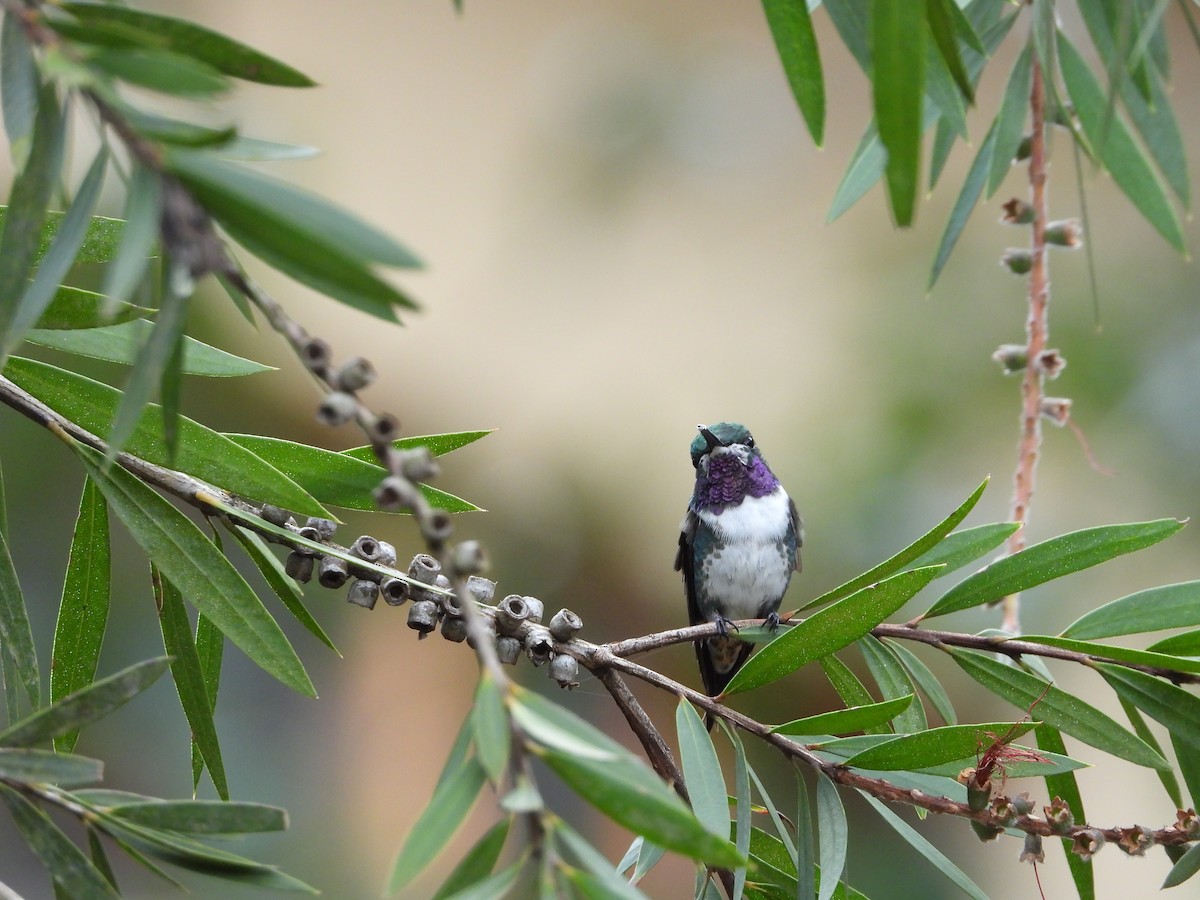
(711, 439)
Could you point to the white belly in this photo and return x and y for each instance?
(752, 568)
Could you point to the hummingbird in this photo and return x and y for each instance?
(739, 543)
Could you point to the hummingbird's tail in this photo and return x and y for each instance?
(719, 659)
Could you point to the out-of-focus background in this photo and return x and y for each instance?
(624, 224)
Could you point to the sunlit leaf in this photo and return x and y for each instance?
(934, 746)
(963, 547)
(1052, 559)
(83, 611)
(842, 721)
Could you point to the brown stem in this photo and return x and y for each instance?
(652, 741)
(1036, 332)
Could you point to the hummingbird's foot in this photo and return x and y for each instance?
(772, 621)
(723, 625)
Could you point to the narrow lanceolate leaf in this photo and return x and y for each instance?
(158, 70)
(1169, 782)
(71, 869)
(143, 205)
(791, 27)
(489, 724)
(926, 849)
(437, 444)
(1154, 609)
(1052, 559)
(1173, 707)
(459, 785)
(1115, 146)
(1188, 865)
(202, 452)
(604, 883)
(968, 197)
(963, 547)
(83, 612)
(632, 796)
(833, 834)
(1186, 644)
(927, 542)
(702, 770)
(203, 816)
(478, 863)
(843, 721)
(893, 682)
(741, 791)
(1058, 709)
(120, 343)
(830, 629)
(1010, 122)
(18, 87)
(806, 857)
(190, 561)
(59, 258)
(925, 680)
(210, 648)
(16, 636)
(898, 87)
(1067, 787)
(303, 236)
(189, 678)
(222, 53)
(87, 705)
(334, 478)
(27, 203)
(935, 746)
(99, 245)
(37, 766)
(1125, 654)
(281, 583)
(781, 828)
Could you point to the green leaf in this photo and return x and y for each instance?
(742, 828)
(1052, 559)
(605, 882)
(70, 868)
(1066, 787)
(1010, 122)
(16, 636)
(204, 816)
(222, 53)
(1115, 146)
(1188, 757)
(563, 730)
(934, 746)
(1056, 708)
(1187, 866)
(945, 21)
(479, 861)
(27, 202)
(84, 706)
(189, 678)
(1169, 782)
(494, 886)
(143, 207)
(120, 344)
(202, 452)
(38, 766)
(925, 543)
(701, 770)
(459, 784)
(159, 70)
(59, 257)
(893, 683)
(834, 835)
(829, 630)
(898, 87)
(280, 582)
(1170, 706)
(489, 724)
(941, 90)
(1126, 654)
(963, 547)
(635, 798)
(968, 197)
(1186, 644)
(926, 849)
(785, 837)
(944, 137)
(335, 478)
(18, 87)
(437, 444)
(100, 858)
(806, 859)
(83, 611)
(791, 27)
(842, 721)
(924, 679)
(303, 236)
(73, 307)
(189, 560)
(99, 245)
(210, 647)
(1154, 609)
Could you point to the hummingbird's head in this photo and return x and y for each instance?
(722, 439)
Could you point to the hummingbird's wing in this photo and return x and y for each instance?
(685, 561)
(796, 528)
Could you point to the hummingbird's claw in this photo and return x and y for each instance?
(723, 625)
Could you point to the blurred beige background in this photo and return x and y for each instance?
(624, 225)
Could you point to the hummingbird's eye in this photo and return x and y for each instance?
(750, 442)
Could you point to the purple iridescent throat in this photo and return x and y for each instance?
(728, 482)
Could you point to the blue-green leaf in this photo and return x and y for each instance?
(1010, 122)
(833, 833)
(893, 683)
(143, 206)
(16, 635)
(701, 770)
(968, 197)
(1154, 609)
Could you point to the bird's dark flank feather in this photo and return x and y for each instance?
(738, 546)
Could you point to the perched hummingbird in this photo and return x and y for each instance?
(739, 544)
